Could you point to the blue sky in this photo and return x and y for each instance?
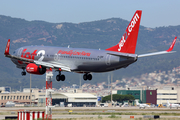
(155, 13)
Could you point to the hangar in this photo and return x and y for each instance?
(74, 99)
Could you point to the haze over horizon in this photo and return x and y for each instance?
(154, 13)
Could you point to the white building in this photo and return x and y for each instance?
(76, 99)
(164, 95)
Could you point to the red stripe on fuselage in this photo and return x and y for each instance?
(71, 52)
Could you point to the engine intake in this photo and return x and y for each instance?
(34, 69)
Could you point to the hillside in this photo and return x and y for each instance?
(97, 34)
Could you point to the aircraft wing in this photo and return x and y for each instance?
(162, 52)
(19, 58)
(54, 65)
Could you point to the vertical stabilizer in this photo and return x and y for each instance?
(127, 44)
(137, 103)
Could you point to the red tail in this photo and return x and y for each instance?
(7, 48)
(172, 45)
(127, 44)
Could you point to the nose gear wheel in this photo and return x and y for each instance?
(23, 73)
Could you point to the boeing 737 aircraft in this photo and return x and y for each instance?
(36, 59)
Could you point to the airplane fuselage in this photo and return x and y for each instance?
(77, 59)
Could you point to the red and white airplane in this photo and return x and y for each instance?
(36, 59)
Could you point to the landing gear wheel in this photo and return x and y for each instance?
(62, 77)
(85, 77)
(58, 77)
(89, 77)
(23, 73)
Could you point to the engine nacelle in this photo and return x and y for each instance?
(34, 69)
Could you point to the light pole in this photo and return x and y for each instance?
(80, 82)
(111, 87)
(30, 89)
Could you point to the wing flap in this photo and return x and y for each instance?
(53, 65)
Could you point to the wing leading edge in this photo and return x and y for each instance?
(161, 52)
(53, 65)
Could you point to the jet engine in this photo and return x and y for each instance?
(34, 69)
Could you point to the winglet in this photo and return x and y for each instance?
(172, 45)
(7, 48)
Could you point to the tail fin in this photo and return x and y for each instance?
(127, 44)
(137, 103)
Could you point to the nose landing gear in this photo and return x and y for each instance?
(23, 73)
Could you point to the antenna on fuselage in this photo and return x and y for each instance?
(68, 46)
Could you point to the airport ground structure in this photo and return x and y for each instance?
(21, 98)
(38, 98)
(154, 96)
(78, 98)
(156, 88)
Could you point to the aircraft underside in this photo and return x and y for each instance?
(84, 69)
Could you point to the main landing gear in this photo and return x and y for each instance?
(87, 76)
(60, 77)
(23, 73)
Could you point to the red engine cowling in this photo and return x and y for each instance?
(34, 69)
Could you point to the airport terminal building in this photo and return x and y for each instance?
(21, 97)
(38, 98)
(144, 96)
(154, 96)
(79, 99)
